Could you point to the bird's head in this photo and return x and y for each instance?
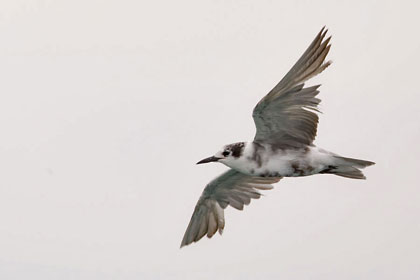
(227, 154)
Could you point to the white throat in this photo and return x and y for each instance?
(245, 163)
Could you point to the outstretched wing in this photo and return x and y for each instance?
(285, 117)
(231, 188)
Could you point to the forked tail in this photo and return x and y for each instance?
(348, 167)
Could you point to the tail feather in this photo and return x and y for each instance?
(348, 167)
(359, 163)
(348, 172)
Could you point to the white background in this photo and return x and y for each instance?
(105, 106)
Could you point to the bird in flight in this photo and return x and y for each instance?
(286, 125)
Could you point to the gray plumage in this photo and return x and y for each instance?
(282, 117)
(286, 125)
(231, 188)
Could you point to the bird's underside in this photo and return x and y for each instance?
(286, 124)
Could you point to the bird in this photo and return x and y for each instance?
(286, 125)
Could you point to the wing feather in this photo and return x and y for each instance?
(286, 117)
(230, 188)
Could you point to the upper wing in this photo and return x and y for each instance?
(281, 117)
(231, 188)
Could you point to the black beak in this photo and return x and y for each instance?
(209, 159)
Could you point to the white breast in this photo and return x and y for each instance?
(264, 161)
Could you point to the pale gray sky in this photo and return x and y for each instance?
(105, 106)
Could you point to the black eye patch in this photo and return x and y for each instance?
(225, 153)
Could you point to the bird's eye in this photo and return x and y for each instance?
(225, 153)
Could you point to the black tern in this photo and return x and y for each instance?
(286, 126)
